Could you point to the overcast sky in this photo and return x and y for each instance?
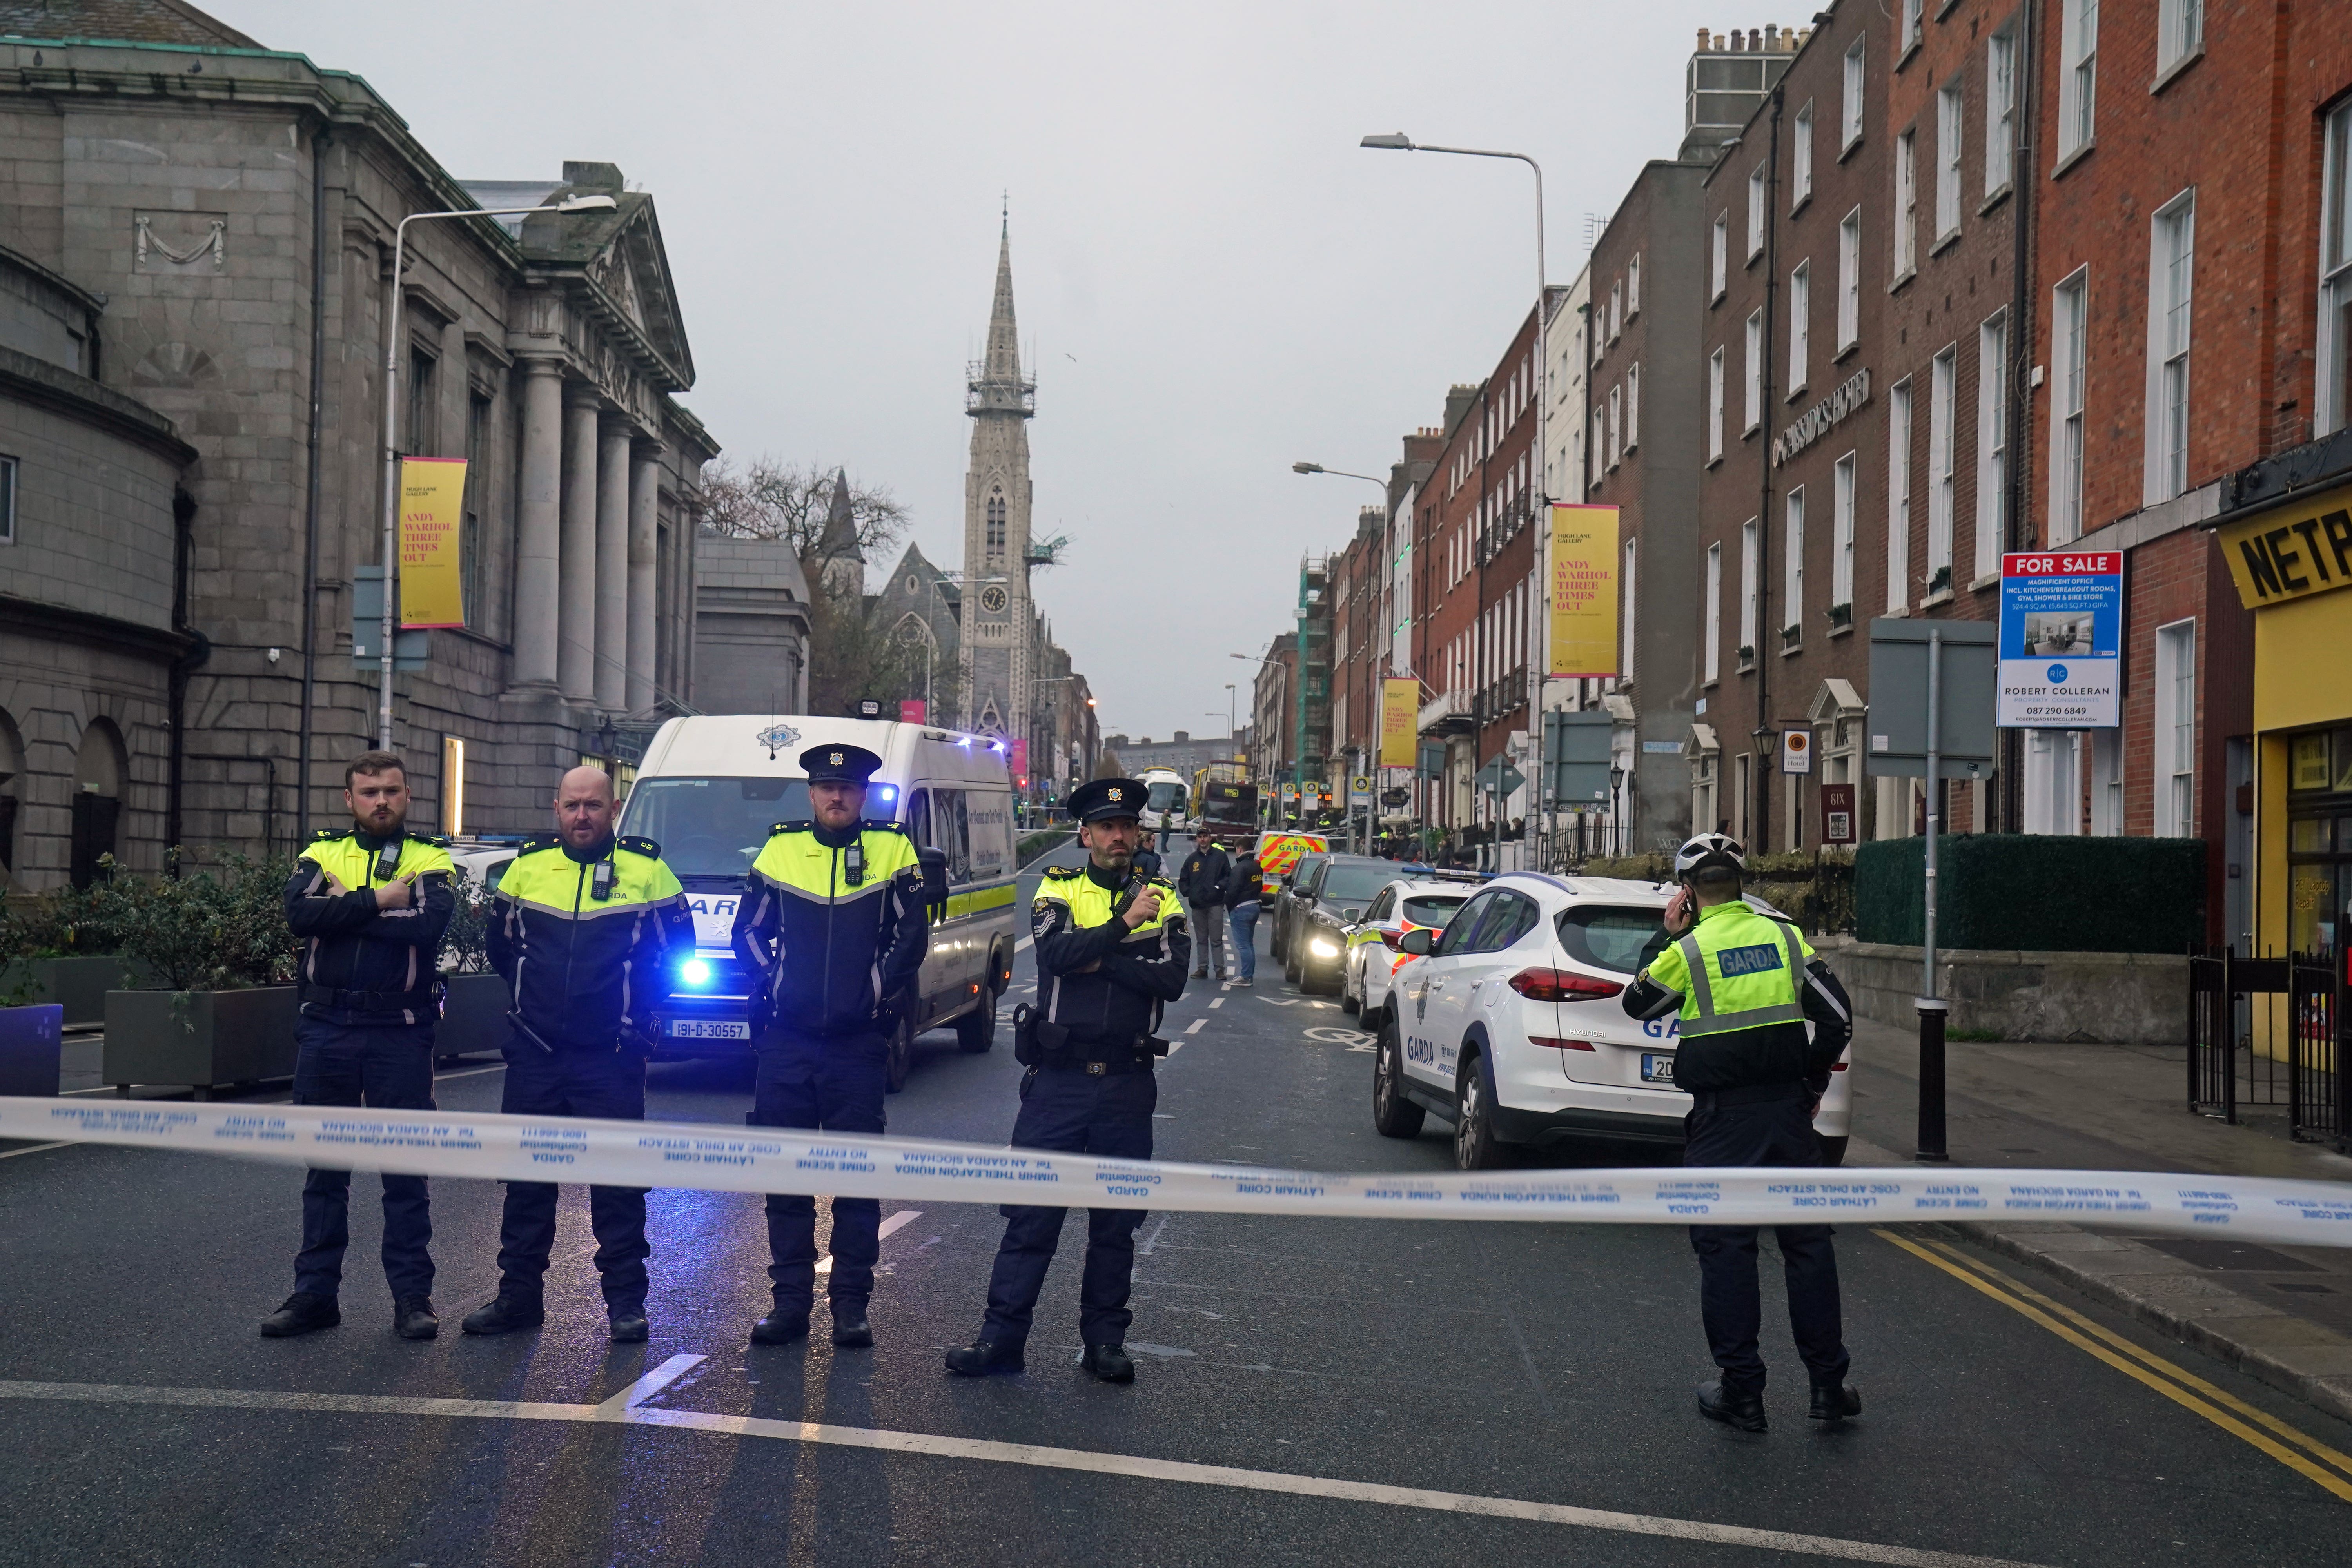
(1215, 281)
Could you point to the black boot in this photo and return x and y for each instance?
(299, 1314)
(850, 1330)
(504, 1315)
(629, 1326)
(1833, 1401)
(983, 1357)
(1109, 1363)
(1734, 1407)
(413, 1319)
(782, 1327)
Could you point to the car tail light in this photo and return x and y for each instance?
(1837, 1066)
(1561, 985)
(1391, 938)
(1559, 1045)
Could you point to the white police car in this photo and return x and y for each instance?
(1510, 1025)
(1424, 902)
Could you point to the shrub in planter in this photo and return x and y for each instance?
(59, 947)
(220, 1007)
(473, 1016)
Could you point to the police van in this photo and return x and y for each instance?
(711, 786)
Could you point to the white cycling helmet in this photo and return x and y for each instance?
(1710, 849)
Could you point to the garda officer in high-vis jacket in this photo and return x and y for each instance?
(1745, 984)
(370, 903)
(1112, 950)
(585, 929)
(835, 926)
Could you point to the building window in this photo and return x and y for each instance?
(1748, 608)
(1914, 14)
(1755, 370)
(1947, 162)
(1906, 206)
(2176, 730)
(1632, 405)
(1713, 651)
(1616, 310)
(2107, 783)
(1849, 325)
(8, 495)
(2069, 323)
(1800, 324)
(2180, 31)
(996, 523)
(1992, 442)
(2078, 88)
(1842, 541)
(2172, 252)
(1755, 213)
(1625, 620)
(1633, 286)
(1715, 405)
(1616, 424)
(1600, 444)
(1800, 159)
(2000, 109)
(424, 432)
(1720, 257)
(2052, 783)
(2334, 408)
(1852, 118)
(469, 543)
(1943, 373)
(1898, 498)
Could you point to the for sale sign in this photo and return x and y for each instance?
(2061, 640)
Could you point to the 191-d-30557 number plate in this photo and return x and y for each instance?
(709, 1029)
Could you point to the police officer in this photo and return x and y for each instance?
(370, 903)
(835, 926)
(585, 929)
(1745, 983)
(1112, 950)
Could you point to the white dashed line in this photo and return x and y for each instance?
(890, 1221)
(35, 1148)
(1217, 1004)
(1194, 1026)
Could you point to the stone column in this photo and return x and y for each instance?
(611, 672)
(644, 507)
(575, 660)
(539, 527)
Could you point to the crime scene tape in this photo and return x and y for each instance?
(719, 1158)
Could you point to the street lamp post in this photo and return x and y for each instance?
(390, 428)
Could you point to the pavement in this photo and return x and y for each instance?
(1310, 1390)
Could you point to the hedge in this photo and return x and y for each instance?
(2035, 892)
(1814, 890)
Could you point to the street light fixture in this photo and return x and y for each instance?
(391, 404)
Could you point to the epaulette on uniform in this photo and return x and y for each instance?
(790, 827)
(537, 842)
(329, 834)
(1062, 873)
(438, 843)
(636, 845)
(884, 827)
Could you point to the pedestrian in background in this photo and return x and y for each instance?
(1744, 985)
(370, 903)
(1111, 953)
(1243, 897)
(587, 927)
(835, 929)
(1202, 881)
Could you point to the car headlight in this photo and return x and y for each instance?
(1322, 947)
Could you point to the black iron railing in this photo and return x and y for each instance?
(2270, 1031)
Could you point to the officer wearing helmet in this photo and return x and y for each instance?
(1744, 985)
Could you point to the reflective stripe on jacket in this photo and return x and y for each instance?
(363, 964)
(833, 948)
(1735, 970)
(586, 971)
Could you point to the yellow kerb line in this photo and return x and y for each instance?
(2176, 1392)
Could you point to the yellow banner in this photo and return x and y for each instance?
(1583, 590)
(1400, 719)
(2291, 551)
(432, 518)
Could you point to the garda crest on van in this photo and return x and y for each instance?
(776, 737)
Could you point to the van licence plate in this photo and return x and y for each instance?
(709, 1029)
(1657, 1068)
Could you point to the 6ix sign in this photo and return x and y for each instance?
(2061, 640)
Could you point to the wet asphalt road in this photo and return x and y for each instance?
(1550, 1363)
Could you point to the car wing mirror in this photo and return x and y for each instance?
(934, 863)
(1417, 942)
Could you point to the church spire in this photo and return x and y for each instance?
(996, 383)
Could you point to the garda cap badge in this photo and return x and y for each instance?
(1116, 793)
(835, 758)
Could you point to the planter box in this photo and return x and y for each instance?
(77, 984)
(474, 1019)
(30, 1039)
(2105, 998)
(214, 1037)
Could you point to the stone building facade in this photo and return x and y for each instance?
(751, 626)
(235, 209)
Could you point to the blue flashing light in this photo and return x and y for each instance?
(695, 972)
(885, 793)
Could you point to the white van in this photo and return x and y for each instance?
(1164, 793)
(711, 786)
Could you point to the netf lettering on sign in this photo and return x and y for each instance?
(1817, 421)
(2289, 552)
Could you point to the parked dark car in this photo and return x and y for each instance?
(1296, 885)
(1316, 956)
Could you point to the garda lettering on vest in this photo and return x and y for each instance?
(1734, 961)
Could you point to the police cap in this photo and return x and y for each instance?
(839, 762)
(1094, 801)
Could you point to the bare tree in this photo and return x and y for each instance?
(851, 656)
(787, 501)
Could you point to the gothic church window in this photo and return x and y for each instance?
(996, 523)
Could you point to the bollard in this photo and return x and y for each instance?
(1932, 1011)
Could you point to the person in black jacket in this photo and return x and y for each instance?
(1203, 881)
(1244, 896)
(370, 903)
(1111, 953)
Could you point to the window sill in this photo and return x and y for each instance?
(1847, 151)
(1804, 200)
(1944, 242)
(2166, 76)
(1902, 277)
(1716, 461)
(1796, 394)
(1941, 597)
(1845, 351)
(1721, 294)
(1845, 631)
(1753, 430)
(1909, 50)
(2069, 160)
(1990, 580)
(1754, 256)
(1993, 198)
(1792, 650)
(1748, 669)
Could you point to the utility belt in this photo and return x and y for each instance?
(424, 999)
(548, 1045)
(1749, 1094)
(1038, 1042)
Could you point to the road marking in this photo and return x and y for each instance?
(35, 1148)
(1157, 1231)
(890, 1221)
(644, 1388)
(1194, 1026)
(1021, 943)
(1217, 1004)
(469, 1072)
(2175, 1382)
(1033, 1455)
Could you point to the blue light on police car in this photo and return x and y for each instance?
(885, 793)
(695, 972)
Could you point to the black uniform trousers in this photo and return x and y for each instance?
(1776, 1132)
(837, 1086)
(607, 1084)
(1071, 1112)
(386, 1066)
